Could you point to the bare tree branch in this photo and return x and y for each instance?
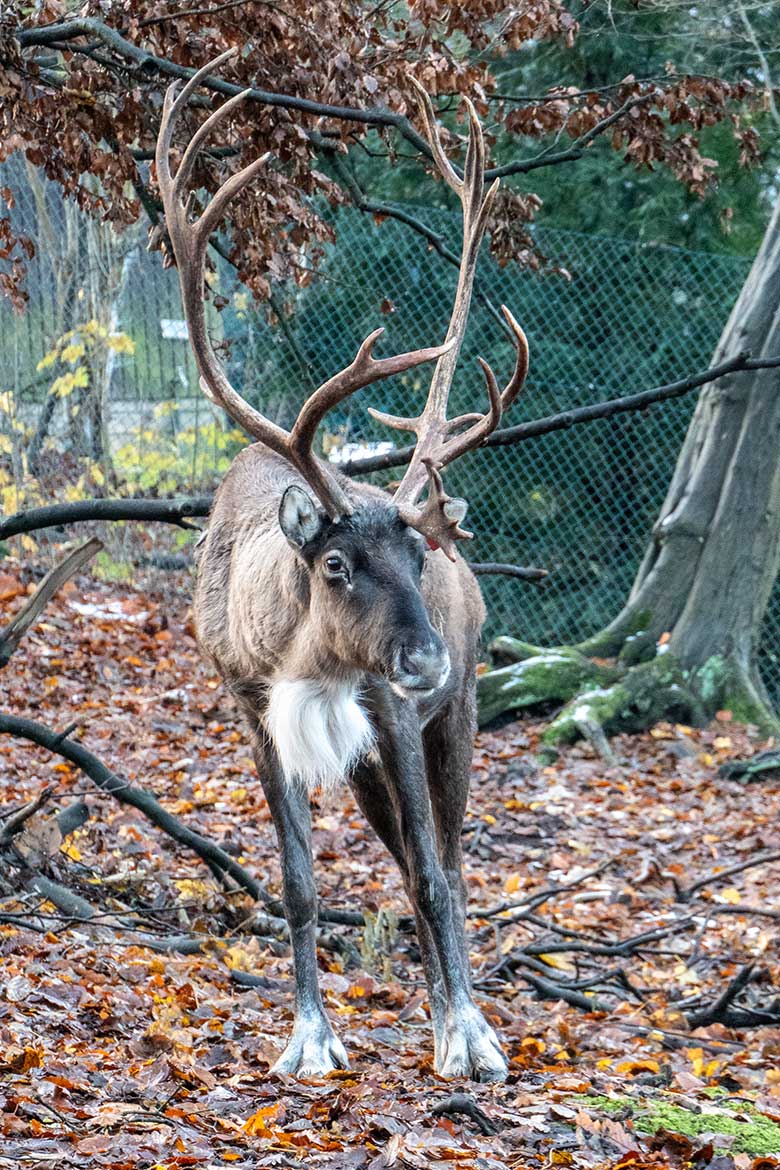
(13, 633)
(685, 894)
(497, 568)
(220, 863)
(581, 414)
(173, 511)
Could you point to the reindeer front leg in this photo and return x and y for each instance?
(466, 1045)
(314, 1048)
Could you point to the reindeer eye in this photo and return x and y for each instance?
(334, 566)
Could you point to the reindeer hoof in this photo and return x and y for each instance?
(314, 1050)
(470, 1048)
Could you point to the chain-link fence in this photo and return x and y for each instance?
(581, 503)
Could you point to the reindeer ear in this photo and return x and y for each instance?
(299, 517)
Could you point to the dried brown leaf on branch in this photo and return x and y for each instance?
(81, 93)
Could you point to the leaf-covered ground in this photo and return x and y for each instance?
(116, 1055)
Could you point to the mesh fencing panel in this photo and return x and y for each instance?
(579, 503)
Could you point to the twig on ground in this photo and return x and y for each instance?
(717, 1011)
(536, 899)
(14, 823)
(547, 989)
(72, 905)
(684, 894)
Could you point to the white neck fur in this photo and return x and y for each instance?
(319, 729)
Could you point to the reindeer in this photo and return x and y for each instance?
(343, 620)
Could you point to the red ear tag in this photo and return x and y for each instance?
(432, 544)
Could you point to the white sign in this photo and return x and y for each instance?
(173, 330)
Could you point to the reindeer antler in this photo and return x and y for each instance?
(439, 439)
(189, 239)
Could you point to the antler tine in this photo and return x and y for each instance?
(174, 102)
(189, 240)
(364, 370)
(443, 164)
(439, 439)
(520, 373)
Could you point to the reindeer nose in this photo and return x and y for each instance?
(422, 668)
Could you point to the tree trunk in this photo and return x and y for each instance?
(714, 554)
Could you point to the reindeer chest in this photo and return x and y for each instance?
(319, 729)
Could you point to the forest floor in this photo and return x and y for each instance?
(114, 1054)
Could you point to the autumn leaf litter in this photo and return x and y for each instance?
(116, 1055)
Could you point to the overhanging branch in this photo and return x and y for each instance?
(170, 511)
(147, 63)
(175, 511)
(65, 35)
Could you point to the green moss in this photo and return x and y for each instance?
(545, 678)
(754, 1133)
(600, 705)
(504, 650)
(722, 685)
(610, 641)
(646, 693)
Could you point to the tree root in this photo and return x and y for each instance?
(628, 692)
(536, 680)
(644, 695)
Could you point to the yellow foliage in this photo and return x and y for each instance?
(159, 460)
(71, 353)
(120, 343)
(67, 383)
(193, 889)
(10, 498)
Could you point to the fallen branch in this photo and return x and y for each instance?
(684, 894)
(717, 1011)
(533, 901)
(73, 817)
(13, 633)
(15, 822)
(220, 863)
(72, 905)
(549, 990)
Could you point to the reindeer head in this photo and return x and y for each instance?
(365, 601)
